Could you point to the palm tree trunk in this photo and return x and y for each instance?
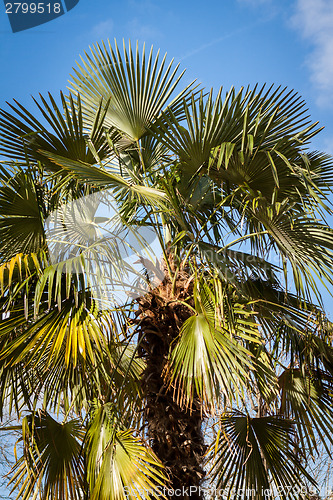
(174, 432)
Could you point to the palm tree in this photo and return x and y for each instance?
(222, 366)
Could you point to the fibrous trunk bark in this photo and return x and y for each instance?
(174, 432)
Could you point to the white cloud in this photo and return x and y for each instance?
(314, 20)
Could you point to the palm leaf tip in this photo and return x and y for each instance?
(138, 88)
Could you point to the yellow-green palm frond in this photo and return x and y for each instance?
(119, 465)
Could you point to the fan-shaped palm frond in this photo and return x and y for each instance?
(252, 452)
(207, 361)
(73, 355)
(303, 242)
(119, 466)
(75, 328)
(52, 465)
(208, 124)
(239, 126)
(21, 213)
(210, 357)
(308, 400)
(138, 89)
(106, 178)
(24, 137)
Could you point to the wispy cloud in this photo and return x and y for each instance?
(207, 45)
(255, 3)
(103, 29)
(314, 20)
(216, 41)
(141, 31)
(328, 145)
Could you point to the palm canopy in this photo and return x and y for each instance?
(238, 204)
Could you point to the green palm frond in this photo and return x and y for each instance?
(207, 361)
(104, 177)
(258, 454)
(210, 357)
(307, 399)
(16, 273)
(138, 89)
(21, 213)
(299, 330)
(208, 124)
(72, 350)
(51, 465)
(240, 125)
(306, 244)
(119, 466)
(49, 375)
(74, 328)
(24, 137)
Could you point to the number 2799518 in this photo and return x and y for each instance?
(33, 8)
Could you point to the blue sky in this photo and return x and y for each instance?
(230, 42)
(225, 42)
